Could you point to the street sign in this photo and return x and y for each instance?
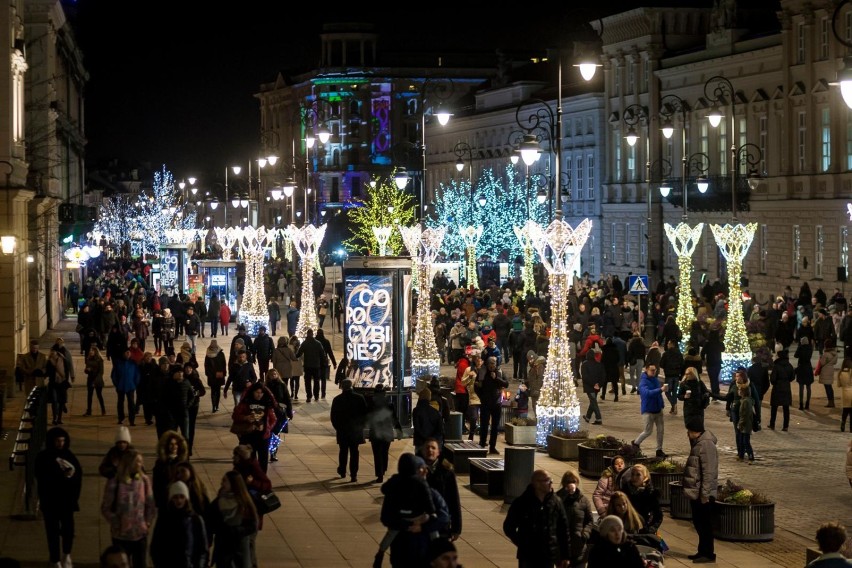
(637, 284)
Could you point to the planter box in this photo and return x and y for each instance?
(680, 507)
(591, 460)
(661, 480)
(744, 523)
(520, 435)
(564, 448)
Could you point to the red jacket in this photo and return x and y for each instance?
(225, 314)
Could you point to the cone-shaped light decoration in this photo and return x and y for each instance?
(734, 242)
(423, 246)
(226, 237)
(253, 310)
(383, 235)
(558, 246)
(684, 239)
(529, 256)
(306, 241)
(470, 236)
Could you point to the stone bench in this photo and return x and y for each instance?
(460, 453)
(486, 476)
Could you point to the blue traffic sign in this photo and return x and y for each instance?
(637, 284)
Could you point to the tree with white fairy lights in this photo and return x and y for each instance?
(143, 220)
(508, 202)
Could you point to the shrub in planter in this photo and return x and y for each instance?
(521, 432)
(743, 515)
(664, 472)
(562, 445)
(591, 454)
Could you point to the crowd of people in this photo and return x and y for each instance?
(492, 336)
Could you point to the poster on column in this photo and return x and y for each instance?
(171, 268)
(369, 328)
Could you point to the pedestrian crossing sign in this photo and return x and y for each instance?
(637, 284)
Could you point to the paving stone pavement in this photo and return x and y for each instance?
(328, 522)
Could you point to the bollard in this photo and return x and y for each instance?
(454, 427)
(519, 463)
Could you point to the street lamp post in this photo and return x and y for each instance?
(733, 239)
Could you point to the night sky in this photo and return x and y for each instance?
(173, 81)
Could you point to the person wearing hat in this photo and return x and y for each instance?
(348, 416)
(247, 342)
(614, 548)
(30, 368)
(109, 465)
(537, 524)
(443, 554)
(180, 537)
(700, 483)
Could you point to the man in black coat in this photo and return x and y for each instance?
(329, 357)
(348, 416)
(537, 524)
(442, 478)
(490, 384)
(312, 353)
(426, 421)
(263, 348)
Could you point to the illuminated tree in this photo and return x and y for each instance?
(384, 206)
(508, 203)
(116, 221)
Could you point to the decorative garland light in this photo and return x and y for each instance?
(471, 236)
(253, 310)
(529, 256)
(307, 240)
(684, 239)
(424, 246)
(558, 406)
(734, 242)
(227, 237)
(385, 205)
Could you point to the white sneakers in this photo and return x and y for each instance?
(67, 562)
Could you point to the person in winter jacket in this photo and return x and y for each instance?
(125, 377)
(636, 352)
(671, 364)
(537, 524)
(535, 378)
(283, 413)
(781, 378)
(491, 383)
(109, 464)
(594, 379)
(172, 449)
(225, 317)
(644, 497)
(578, 508)
(253, 420)
(242, 375)
(232, 521)
(348, 415)
(215, 369)
(844, 384)
(651, 397)
(825, 370)
(804, 371)
(380, 425)
(426, 420)
(180, 537)
(614, 548)
(59, 480)
(442, 478)
(283, 361)
(607, 485)
(128, 506)
(213, 310)
(313, 354)
(694, 394)
(700, 483)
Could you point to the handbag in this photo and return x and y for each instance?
(265, 502)
(242, 427)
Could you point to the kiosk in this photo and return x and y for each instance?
(377, 330)
(220, 278)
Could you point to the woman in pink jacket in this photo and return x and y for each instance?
(128, 505)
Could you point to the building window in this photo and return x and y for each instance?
(590, 125)
(630, 77)
(800, 43)
(590, 178)
(643, 244)
(631, 163)
(825, 140)
(819, 246)
(646, 71)
(616, 80)
(762, 138)
(797, 251)
(844, 249)
(705, 138)
(742, 133)
(764, 247)
(576, 193)
(823, 38)
(578, 173)
(626, 244)
(802, 139)
(617, 146)
(723, 147)
(612, 243)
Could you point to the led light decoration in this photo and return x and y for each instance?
(470, 236)
(509, 202)
(734, 241)
(424, 246)
(383, 206)
(684, 239)
(253, 310)
(558, 406)
(227, 238)
(382, 235)
(529, 255)
(307, 240)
